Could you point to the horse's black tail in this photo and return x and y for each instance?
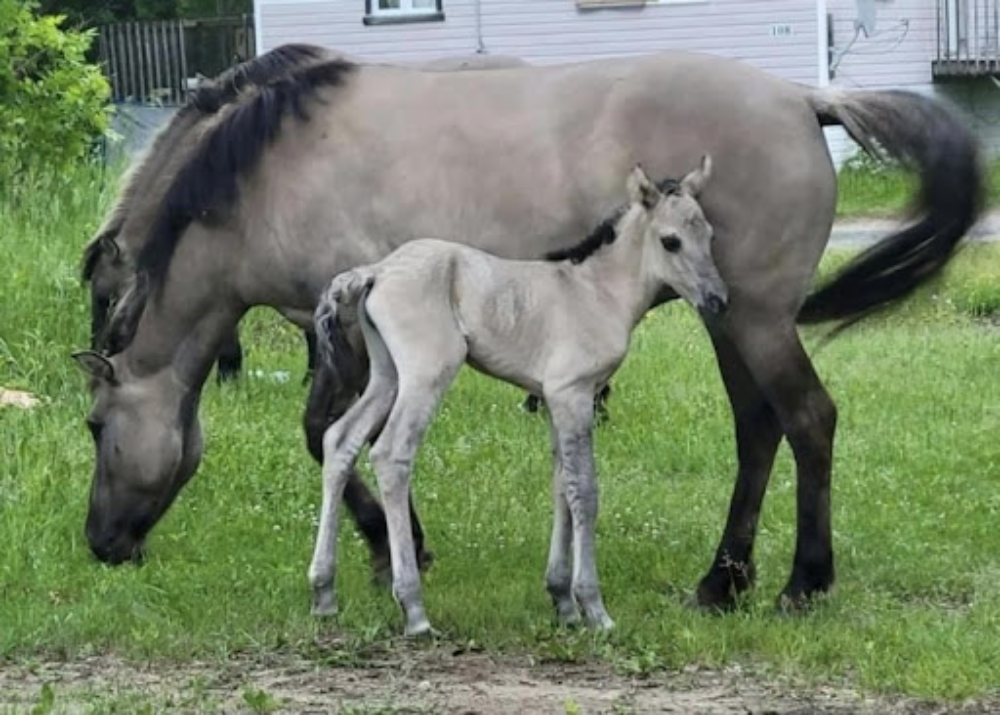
(928, 138)
(346, 293)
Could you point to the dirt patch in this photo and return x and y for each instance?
(423, 680)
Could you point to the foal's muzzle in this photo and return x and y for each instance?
(713, 305)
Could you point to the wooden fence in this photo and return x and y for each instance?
(160, 62)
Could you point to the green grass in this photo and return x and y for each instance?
(916, 501)
(871, 190)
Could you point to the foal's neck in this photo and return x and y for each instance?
(617, 270)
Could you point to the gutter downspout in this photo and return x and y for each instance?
(480, 45)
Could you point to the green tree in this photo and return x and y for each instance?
(53, 103)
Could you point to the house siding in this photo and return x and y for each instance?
(899, 55)
(554, 31)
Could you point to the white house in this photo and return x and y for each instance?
(946, 47)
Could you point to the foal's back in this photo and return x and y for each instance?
(518, 320)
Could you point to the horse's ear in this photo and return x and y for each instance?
(640, 189)
(695, 181)
(95, 365)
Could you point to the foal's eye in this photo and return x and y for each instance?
(671, 243)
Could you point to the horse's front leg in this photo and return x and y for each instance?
(775, 390)
(572, 415)
(230, 358)
(327, 401)
(757, 437)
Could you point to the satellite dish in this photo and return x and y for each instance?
(866, 17)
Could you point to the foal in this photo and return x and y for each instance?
(557, 328)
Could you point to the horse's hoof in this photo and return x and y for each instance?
(713, 602)
(799, 604)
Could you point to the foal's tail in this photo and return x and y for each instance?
(928, 138)
(346, 294)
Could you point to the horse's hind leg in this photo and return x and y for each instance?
(327, 401)
(230, 358)
(757, 437)
(342, 443)
(785, 376)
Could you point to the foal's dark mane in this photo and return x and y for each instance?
(207, 184)
(604, 233)
(207, 100)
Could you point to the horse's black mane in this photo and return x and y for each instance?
(208, 99)
(207, 184)
(211, 96)
(604, 233)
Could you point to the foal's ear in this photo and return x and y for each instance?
(640, 189)
(695, 181)
(95, 365)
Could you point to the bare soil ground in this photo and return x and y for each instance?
(425, 680)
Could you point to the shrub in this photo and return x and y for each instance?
(53, 104)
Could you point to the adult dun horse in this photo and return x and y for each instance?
(338, 164)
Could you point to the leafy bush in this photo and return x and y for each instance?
(53, 104)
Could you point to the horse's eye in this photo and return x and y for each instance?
(671, 243)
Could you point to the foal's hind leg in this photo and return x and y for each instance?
(327, 401)
(342, 443)
(757, 437)
(392, 457)
(785, 376)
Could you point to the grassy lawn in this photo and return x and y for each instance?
(916, 501)
(870, 190)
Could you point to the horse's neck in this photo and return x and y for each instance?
(180, 335)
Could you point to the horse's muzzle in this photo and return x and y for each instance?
(117, 550)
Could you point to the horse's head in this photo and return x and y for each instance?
(107, 271)
(148, 444)
(678, 238)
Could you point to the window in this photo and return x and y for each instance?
(380, 12)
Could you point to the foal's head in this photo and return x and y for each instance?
(677, 239)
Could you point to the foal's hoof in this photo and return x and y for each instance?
(324, 603)
(601, 624)
(420, 631)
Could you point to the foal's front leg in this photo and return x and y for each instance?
(572, 414)
(559, 571)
